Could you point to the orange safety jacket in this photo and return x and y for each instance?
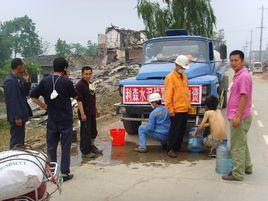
(177, 92)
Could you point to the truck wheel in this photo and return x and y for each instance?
(131, 126)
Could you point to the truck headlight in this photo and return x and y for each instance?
(122, 110)
(201, 110)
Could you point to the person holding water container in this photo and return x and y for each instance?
(216, 123)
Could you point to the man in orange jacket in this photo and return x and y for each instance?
(178, 104)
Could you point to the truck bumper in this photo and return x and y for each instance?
(257, 70)
(141, 112)
(133, 109)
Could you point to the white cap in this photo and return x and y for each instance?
(154, 97)
(182, 61)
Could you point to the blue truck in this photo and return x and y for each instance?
(206, 76)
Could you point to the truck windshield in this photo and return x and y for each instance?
(257, 65)
(168, 50)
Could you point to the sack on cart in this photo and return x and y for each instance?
(21, 171)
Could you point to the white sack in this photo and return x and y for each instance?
(18, 177)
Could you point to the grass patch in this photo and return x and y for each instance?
(3, 124)
(34, 134)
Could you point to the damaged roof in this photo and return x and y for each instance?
(44, 60)
(124, 31)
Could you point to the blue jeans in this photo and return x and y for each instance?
(144, 132)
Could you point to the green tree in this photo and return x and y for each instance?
(77, 48)
(89, 49)
(62, 48)
(196, 16)
(31, 66)
(92, 48)
(219, 35)
(5, 69)
(22, 34)
(5, 49)
(45, 47)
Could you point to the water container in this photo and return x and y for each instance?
(195, 143)
(223, 158)
(118, 136)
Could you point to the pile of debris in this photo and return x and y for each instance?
(106, 79)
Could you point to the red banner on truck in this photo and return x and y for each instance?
(138, 94)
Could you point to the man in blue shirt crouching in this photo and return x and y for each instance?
(158, 126)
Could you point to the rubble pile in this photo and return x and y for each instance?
(106, 79)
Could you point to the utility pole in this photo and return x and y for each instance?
(250, 48)
(246, 50)
(261, 27)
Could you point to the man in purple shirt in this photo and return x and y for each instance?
(239, 115)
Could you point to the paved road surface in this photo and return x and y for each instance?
(122, 175)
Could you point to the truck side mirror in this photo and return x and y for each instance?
(223, 51)
(211, 53)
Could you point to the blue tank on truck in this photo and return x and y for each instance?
(206, 75)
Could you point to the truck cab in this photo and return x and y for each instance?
(205, 76)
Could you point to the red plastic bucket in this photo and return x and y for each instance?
(118, 136)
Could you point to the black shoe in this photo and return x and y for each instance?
(172, 154)
(164, 146)
(66, 177)
(89, 155)
(140, 150)
(248, 172)
(96, 150)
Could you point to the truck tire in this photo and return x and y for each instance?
(131, 127)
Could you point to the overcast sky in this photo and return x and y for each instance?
(82, 20)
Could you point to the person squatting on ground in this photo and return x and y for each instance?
(87, 113)
(16, 89)
(178, 104)
(57, 91)
(158, 126)
(239, 114)
(216, 123)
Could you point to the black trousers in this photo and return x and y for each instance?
(88, 131)
(17, 135)
(177, 131)
(60, 131)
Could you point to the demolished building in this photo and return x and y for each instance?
(123, 45)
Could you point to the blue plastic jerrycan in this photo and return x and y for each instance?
(195, 143)
(224, 163)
